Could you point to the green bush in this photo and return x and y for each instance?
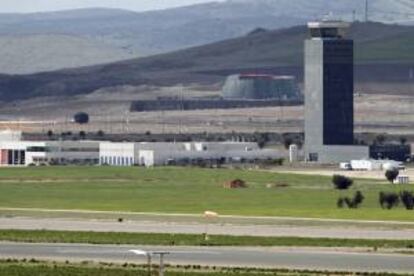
(388, 200)
(407, 199)
(391, 175)
(341, 182)
(352, 203)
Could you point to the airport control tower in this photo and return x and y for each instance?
(329, 89)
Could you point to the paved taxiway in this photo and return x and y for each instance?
(298, 258)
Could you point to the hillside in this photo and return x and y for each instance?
(37, 53)
(163, 31)
(384, 58)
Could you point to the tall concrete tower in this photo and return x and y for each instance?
(329, 88)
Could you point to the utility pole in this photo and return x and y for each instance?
(161, 254)
(149, 256)
(366, 10)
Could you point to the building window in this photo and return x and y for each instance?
(313, 157)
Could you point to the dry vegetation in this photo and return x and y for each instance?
(393, 114)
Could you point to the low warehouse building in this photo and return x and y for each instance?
(117, 154)
(14, 152)
(260, 87)
(156, 154)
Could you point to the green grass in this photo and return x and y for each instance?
(186, 190)
(42, 236)
(34, 267)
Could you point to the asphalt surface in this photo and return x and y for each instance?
(352, 232)
(298, 258)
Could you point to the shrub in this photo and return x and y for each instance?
(407, 199)
(353, 203)
(391, 175)
(388, 200)
(341, 182)
(340, 203)
(235, 184)
(81, 118)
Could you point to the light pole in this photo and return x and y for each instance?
(149, 255)
(161, 254)
(144, 253)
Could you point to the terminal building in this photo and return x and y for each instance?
(26, 153)
(14, 151)
(329, 90)
(160, 154)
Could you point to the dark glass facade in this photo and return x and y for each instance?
(338, 89)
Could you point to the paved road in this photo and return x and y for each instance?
(304, 258)
(353, 232)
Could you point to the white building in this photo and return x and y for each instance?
(117, 154)
(153, 154)
(14, 152)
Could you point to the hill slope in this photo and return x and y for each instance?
(384, 57)
(37, 53)
(166, 30)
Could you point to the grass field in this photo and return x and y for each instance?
(34, 267)
(192, 240)
(187, 190)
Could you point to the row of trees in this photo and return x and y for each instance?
(390, 200)
(387, 200)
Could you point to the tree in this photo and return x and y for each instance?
(352, 203)
(100, 133)
(407, 199)
(341, 182)
(82, 134)
(388, 200)
(358, 199)
(81, 118)
(340, 203)
(391, 175)
(49, 133)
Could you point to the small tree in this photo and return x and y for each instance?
(352, 203)
(407, 199)
(391, 175)
(358, 199)
(82, 134)
(340, 203)
(388, 200)
(403, 140)
(50, 134)
(341, 182)
(100, 133)
(81, 118)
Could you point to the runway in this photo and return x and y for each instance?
(146, 226)
(294, 258)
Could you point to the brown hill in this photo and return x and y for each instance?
(384, 63)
